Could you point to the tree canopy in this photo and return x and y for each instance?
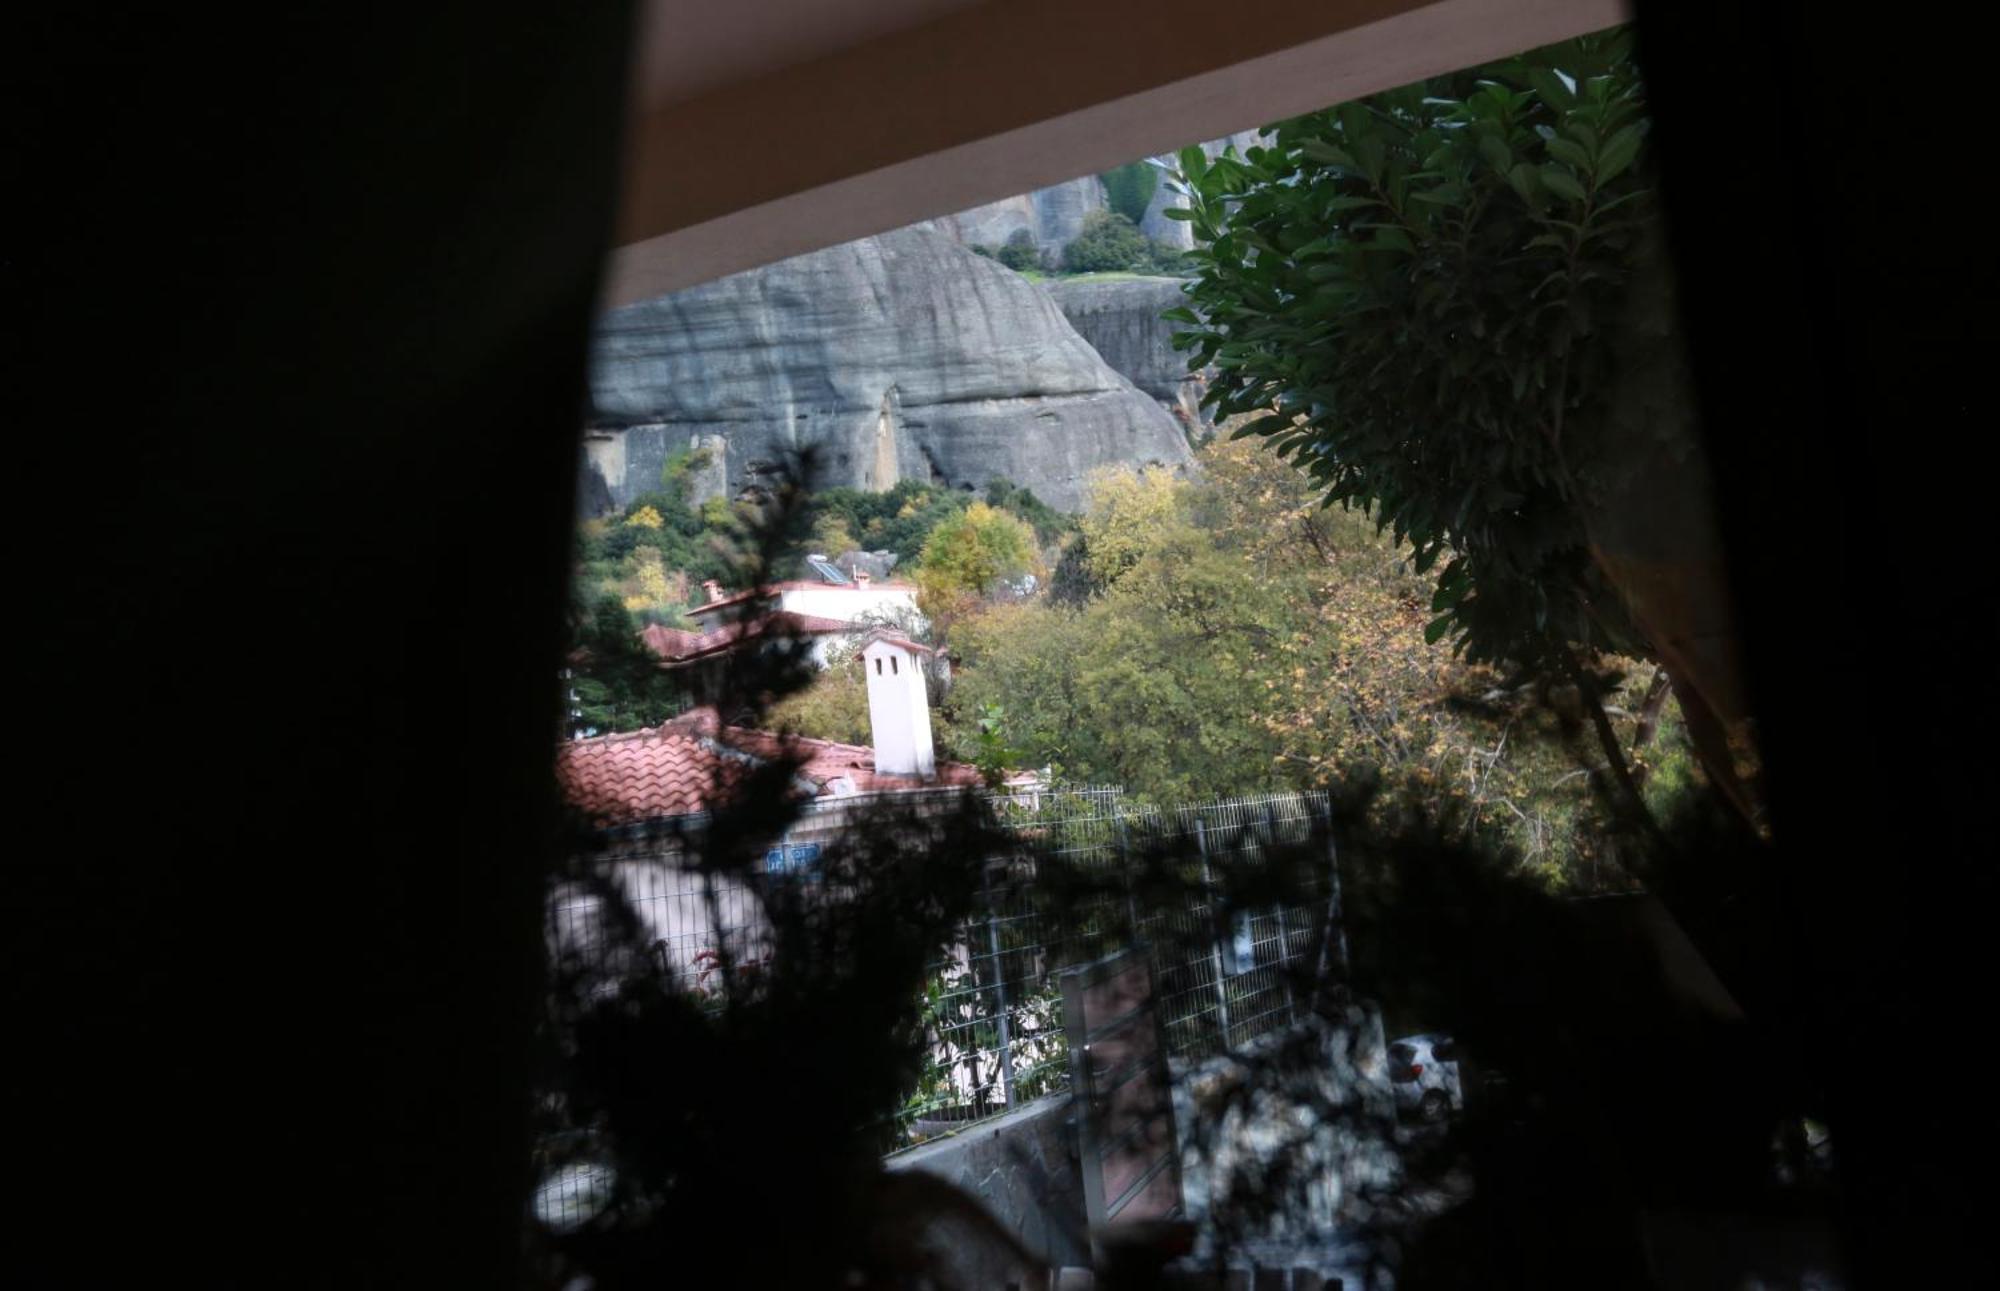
(1242, 638)
(1448, 305)
(1112, 243)
(1413, 297)
(1129, 189)
(970, 553)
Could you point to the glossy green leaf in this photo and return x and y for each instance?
(1569, 150)
(1550, 87)
(1322, 151)
(1562, 183)
(1620, 150)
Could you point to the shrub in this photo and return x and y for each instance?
(1109, 243)
(1048, 522)
(1021, 252)
(1129, 189)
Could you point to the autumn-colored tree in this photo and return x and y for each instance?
(651, 589)
(833, 707)
(968, 556)
(1127, 512)
(1254, 640)
(1025, 654)
(831, 536)
(1448, 304)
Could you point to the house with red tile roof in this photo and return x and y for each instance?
(835, 594)
(820, 617)
(679, 648)
(643, 789)
(682, 767)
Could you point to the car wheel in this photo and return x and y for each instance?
(1435, 1107)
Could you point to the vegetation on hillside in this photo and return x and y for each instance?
(1443, 306)
(1129, 189)
(1237, 637)
(1411, 296)
(1111, 242)
(645, 565)
(1197, 638)
(1407, 303)
(1019, 252)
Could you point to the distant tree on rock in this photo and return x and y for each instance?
(1020, 252)
(1129, 189)
(1109, 243)
(973, 551)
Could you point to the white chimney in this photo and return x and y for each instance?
(899, 709)
(862, 579)
(714, 590)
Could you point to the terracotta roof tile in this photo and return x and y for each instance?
(666, 642)
(619, 779)
(681, 766)
(675, 645)
(898, 639)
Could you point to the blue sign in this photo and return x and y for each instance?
(792, 858)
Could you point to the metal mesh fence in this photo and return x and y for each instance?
(1098, 874)
(1094, 874)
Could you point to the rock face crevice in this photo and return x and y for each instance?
(1120, 317)
(903, 353)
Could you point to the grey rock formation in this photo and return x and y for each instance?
(1052, 216)
(1061, 210)
(899, 356)
(1120, 318)
(992, 224)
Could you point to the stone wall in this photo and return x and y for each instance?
(1023, 1168)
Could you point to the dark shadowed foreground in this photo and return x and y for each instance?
(301, 312)
(740, 1121)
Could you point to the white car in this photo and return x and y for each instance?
(1423, 1070)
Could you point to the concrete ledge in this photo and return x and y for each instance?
(990, 100)
(1023, 1168)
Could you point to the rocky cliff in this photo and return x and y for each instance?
(1120, 317)
(899, 356)
(1053, 216)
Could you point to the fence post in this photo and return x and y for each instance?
(1125, 872)
(1215, 930)
(1000, 995)
(1335, 940)
(1284, 933)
